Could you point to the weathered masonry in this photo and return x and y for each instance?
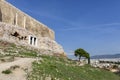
(21, 29)
(11, 15)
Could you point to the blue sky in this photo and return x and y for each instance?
(90, 24)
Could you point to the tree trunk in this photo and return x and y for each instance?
(79, 58)
(88, 60)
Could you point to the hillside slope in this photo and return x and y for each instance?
(109, 56)
(52, 67)
(56, 68)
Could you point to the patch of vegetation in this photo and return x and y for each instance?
(28, 53)
(118, 73)
(8, 71)
(13, 45)
(64, 69)
(10, 49)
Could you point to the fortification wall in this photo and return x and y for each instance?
(11, 15)
(21, 36)
(21, 29)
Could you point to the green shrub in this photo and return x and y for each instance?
(28, 53)
(8, 71)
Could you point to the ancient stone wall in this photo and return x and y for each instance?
(21, 29)
(11, 15)
(0, 16)
(21, 36)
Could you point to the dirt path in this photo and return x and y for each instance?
(19, 73)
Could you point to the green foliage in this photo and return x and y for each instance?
(64, 69)
(81, 53)
(28, 53)
(13, 45)
(10, 49)
(8, 71)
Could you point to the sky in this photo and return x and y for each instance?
(93, 25)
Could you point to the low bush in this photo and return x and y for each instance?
(8, 71)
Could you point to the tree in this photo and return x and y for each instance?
(82, 53)
(88, 57)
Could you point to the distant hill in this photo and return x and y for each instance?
(98, 56)
(106, 56)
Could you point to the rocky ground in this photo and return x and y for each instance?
(19, 68)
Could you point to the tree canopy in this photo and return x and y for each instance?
(82, 53)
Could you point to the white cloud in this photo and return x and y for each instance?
(109, 26)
